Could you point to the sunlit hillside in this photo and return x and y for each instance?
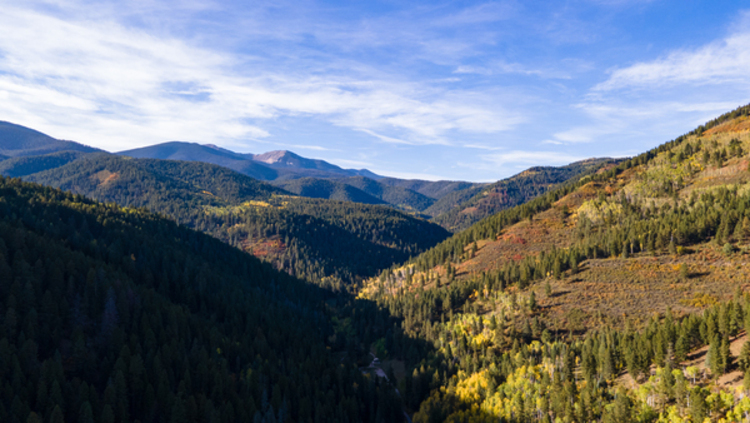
(635, 273)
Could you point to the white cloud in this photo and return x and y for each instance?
(384, 138)
(651, 121)
(499, 67)
(482, 13)
(483, 147)
(725, 61)
(310, 147)
(353, 163)
(128, 87)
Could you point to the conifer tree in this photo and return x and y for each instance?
(725, 355)
(698, 407)
(713, 359)
(743, 361)
(681, 348)
(666, 382)
(533, 306)
(606, 366)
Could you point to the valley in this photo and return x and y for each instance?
(605, 290)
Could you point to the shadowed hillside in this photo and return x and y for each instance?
(117, 315)
(331, 243)
(26, 165)
(358, 189)
(332, 189)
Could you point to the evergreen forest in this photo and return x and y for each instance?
(147, 290)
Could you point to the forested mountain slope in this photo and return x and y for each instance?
(118, 315)
(358, 189)
(453, 200)
(400, 197)
(677, 195)
(331, 243)
(464, 208)
(432, 189)
(135, 183)
(453, 205)
(26, 165)
(331, 189)
(559, 308)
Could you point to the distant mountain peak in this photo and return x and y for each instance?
(279, 157)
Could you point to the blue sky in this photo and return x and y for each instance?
(433, 90)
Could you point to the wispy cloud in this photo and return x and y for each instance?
(125, 85)
(650, 121)
(725, 61)
(310, 147)
(420, 87)
(354, 163)
(384, 138)
(484, 147)
(498, 68)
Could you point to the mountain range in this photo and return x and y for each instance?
(452, 204)
(605, 290)
(310, 177)
(270, 166)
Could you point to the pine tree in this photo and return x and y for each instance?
(622, 408)
(743, 361)
(698, 407)
(631, 359)
(574, 263)
(666, 382)
(725, 355)
(713, 360)
(736, 319)
(557, 268)
(606, 366)
(533, 306)
(680, 389)
(526, 330)
(86, 415)
(681, 348)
